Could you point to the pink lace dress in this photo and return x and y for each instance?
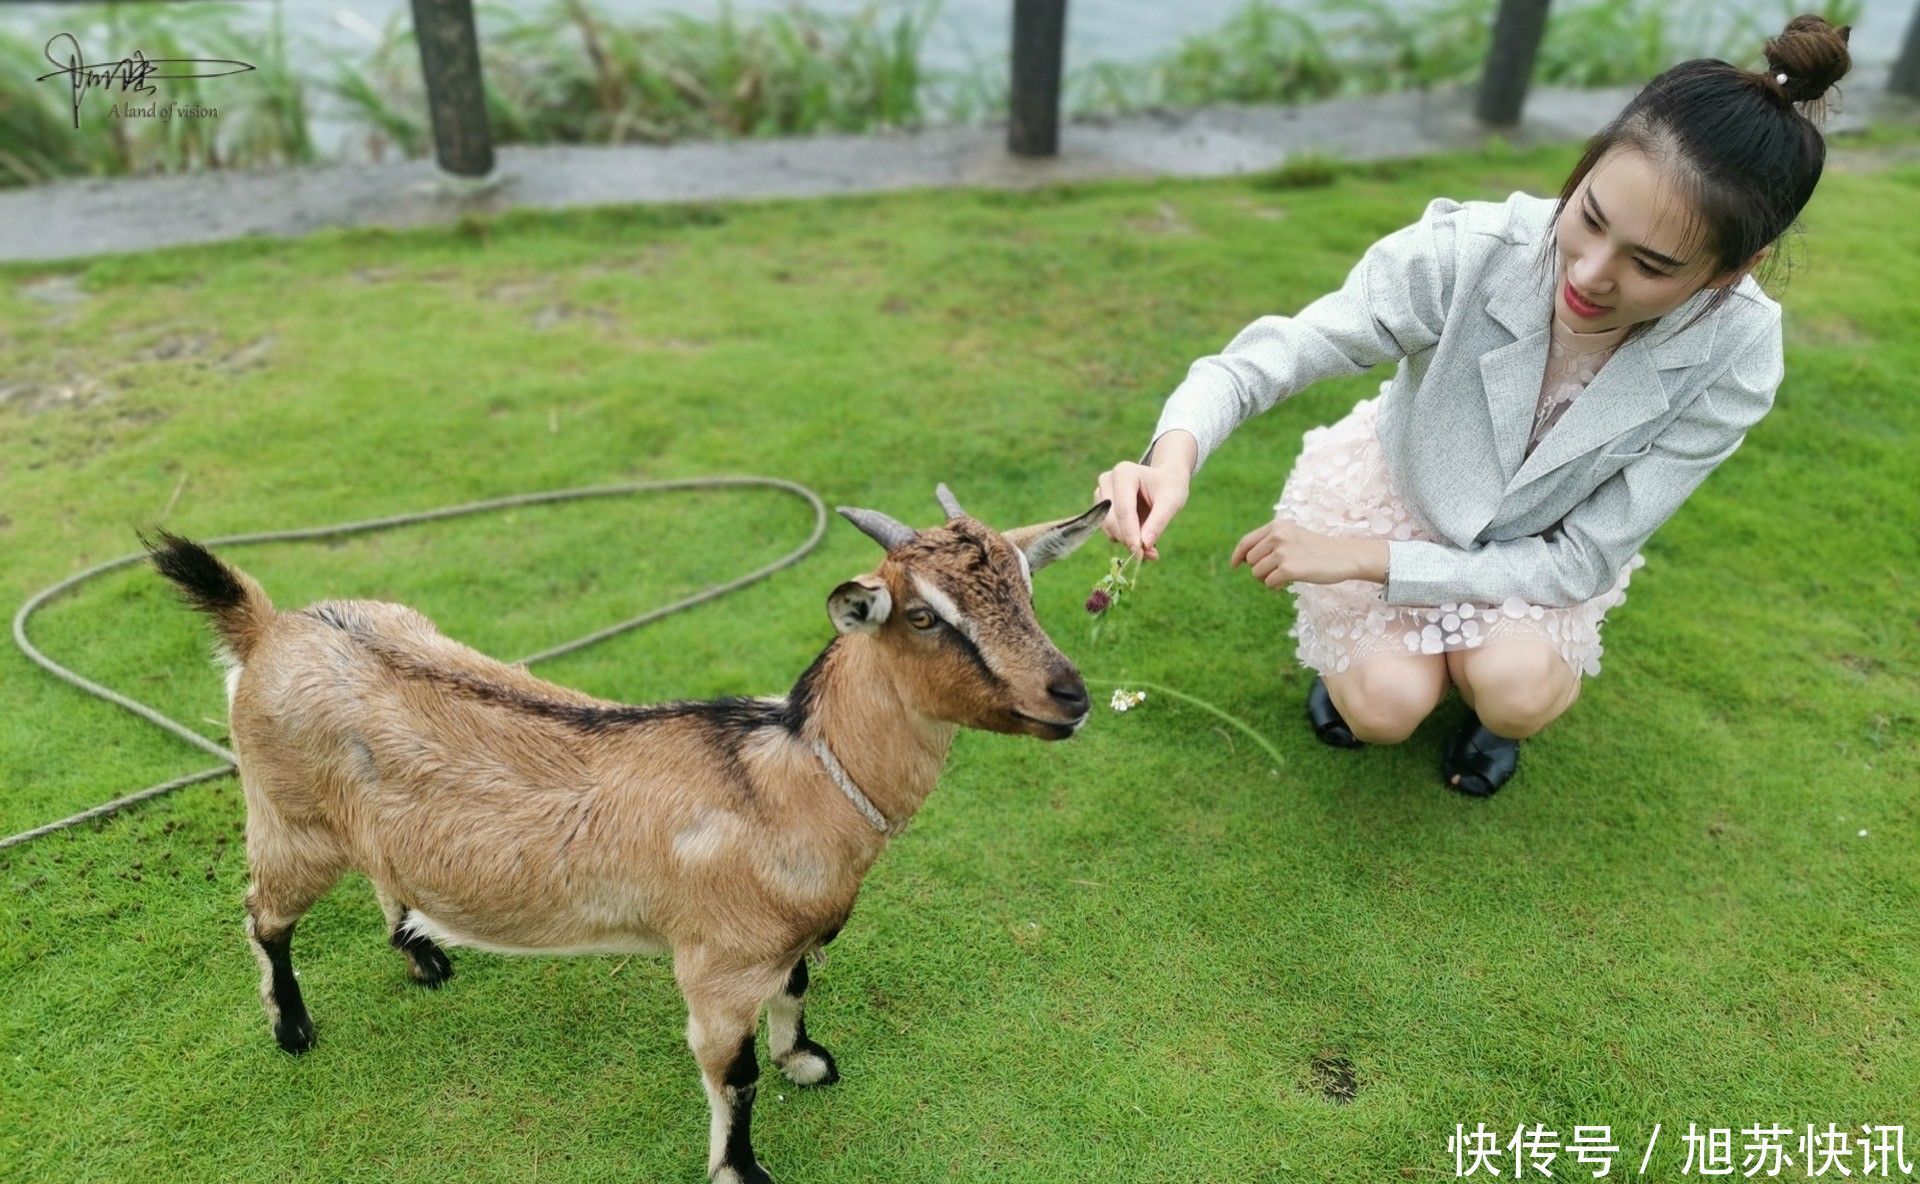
(1340, 486)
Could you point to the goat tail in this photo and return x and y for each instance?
(239, 607)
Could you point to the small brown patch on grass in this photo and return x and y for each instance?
(1333, 1078)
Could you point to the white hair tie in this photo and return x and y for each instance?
(1780, 78)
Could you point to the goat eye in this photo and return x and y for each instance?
(921, 618)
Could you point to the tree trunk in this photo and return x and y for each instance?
(1906, 71)
(1039, 34)
(1516, 40)
(456, 100)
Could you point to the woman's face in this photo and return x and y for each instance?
(1625, 247)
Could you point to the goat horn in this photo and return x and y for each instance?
(948, 502)
(886, 531)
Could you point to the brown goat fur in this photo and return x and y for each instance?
(494, 809)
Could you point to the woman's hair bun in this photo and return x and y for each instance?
(1812, 54)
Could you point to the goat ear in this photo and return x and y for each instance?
(1049, 541)
(860, 605)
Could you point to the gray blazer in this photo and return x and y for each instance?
(1456, 299)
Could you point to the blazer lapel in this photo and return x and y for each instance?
(1510, 374)
(1627, 392)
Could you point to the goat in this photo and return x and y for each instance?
(495, 810)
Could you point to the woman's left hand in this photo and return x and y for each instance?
(1282, 552)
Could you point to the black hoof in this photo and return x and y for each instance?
(1325, 718)
(1477, 762)
(427, 963)
(296, 1035)
(429, 966)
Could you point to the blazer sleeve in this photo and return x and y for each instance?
(1600, 535)
(1394, 303)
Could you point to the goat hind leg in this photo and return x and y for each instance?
(274, 907)
(803, 1061)
(427, 963)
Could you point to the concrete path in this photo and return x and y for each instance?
(71, 219)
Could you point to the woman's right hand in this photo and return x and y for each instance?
(1146, 497)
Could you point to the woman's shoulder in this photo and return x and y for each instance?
(1747, 322)
(1754, 320)
(1480, 229)
(1752, 301)
(1521, 218)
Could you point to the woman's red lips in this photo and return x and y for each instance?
(1581, 304)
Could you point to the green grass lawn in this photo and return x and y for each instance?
(1144, 955)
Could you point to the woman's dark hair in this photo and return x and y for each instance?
(1744, 147)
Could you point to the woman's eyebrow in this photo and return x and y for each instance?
(1594, 207)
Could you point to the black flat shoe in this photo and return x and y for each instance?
(1325, 718)
(1476, 762)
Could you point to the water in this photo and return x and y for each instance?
(978, 31)
(966, 32)
(968, 36)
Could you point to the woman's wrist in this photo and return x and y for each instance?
(1369, 558)
(1177, 452)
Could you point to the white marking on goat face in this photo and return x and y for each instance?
(942, 604)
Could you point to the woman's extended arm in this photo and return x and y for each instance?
(1393, 303)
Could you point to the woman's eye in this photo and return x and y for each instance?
(920, 618)
(1588, 219)
(1647, 268)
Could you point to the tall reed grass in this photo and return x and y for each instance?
(1270, 53)
(565, 71)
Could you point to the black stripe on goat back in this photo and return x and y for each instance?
(329, 613)
(729, 719)
(733, 716)
(206, 583)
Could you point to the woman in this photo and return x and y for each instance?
(1568, 373)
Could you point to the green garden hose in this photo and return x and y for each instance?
(41, 599)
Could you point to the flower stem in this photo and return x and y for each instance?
(1203, 705)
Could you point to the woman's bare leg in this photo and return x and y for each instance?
(1516, 687)
(1384, 698)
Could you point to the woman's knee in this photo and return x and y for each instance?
(1383, 700)
(1520, 687)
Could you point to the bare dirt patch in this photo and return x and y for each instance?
(1333, 1078)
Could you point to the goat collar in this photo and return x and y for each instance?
(860, 800)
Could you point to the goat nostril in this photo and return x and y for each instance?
(1070, 693)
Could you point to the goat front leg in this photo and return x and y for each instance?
(720, 1030)
(803, 1061)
